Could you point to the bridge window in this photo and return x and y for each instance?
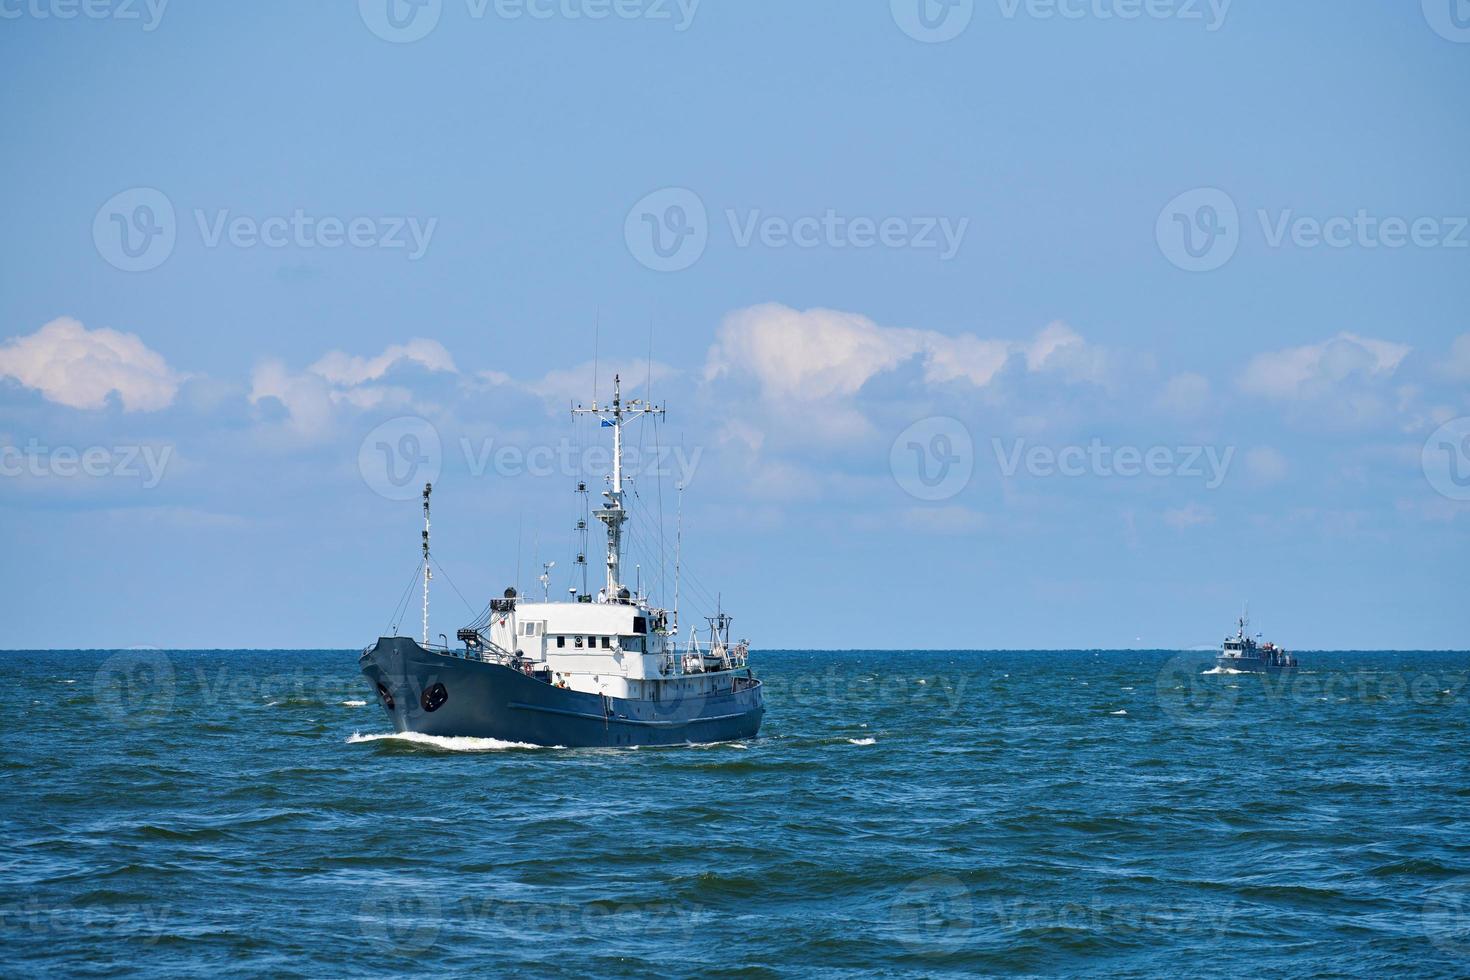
(561, 641)
(607, 643)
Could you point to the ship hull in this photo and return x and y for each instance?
(1250, 665)
(481, 699)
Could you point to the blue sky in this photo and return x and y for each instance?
(1043, 325)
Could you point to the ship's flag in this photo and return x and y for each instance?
(607, 423)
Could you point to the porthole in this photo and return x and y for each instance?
(385, 695)
(433, 699)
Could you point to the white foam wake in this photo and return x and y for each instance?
(863, 741)
(1123, 712)
(1224, 670)
(354, 704)
(448, 743)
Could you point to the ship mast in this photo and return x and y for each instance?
(428, 489)
(613, 513)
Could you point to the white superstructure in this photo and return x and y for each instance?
(614, 643)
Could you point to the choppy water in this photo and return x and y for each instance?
(902, 813)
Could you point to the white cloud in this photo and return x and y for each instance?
(575, 384)
(819, 354)
(1265, 465)
(1186, 394)
(1061, 350)
(81, 368)
(808, 355)
(1456, 366)
(347, 370)
(312, 397)
(966, 357)
(1316, 370)
(306, 397)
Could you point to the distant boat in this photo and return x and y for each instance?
(598, 670)
(1242, 652)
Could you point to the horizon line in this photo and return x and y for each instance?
(5, 650)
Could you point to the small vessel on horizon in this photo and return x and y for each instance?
(1242, 652)
(595, 670)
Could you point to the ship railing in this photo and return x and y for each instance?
(485, 653)
(717, 659)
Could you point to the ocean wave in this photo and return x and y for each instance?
(447, 743)
(354, 704)
(863, 741)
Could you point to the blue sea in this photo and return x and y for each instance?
(176, 813)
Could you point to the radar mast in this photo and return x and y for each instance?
(613, 513)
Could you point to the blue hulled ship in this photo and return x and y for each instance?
(594, 670)
(1242, 652)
